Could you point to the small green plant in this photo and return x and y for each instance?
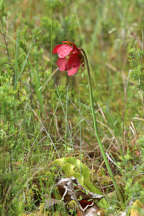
(73, 167)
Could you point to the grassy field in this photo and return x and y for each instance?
(45, 115)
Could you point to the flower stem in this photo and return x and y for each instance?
(119, 195)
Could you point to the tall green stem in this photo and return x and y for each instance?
(96, 131)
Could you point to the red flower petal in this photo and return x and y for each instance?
(74, 61)
(73, 64)
(63, 50)
(62, 63)
(73, 70)
(75, 49)
(56, 48)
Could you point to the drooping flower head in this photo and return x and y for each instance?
(70, 58)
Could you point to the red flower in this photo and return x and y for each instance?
(70, 57)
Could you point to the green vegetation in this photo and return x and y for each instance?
(45, 115)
